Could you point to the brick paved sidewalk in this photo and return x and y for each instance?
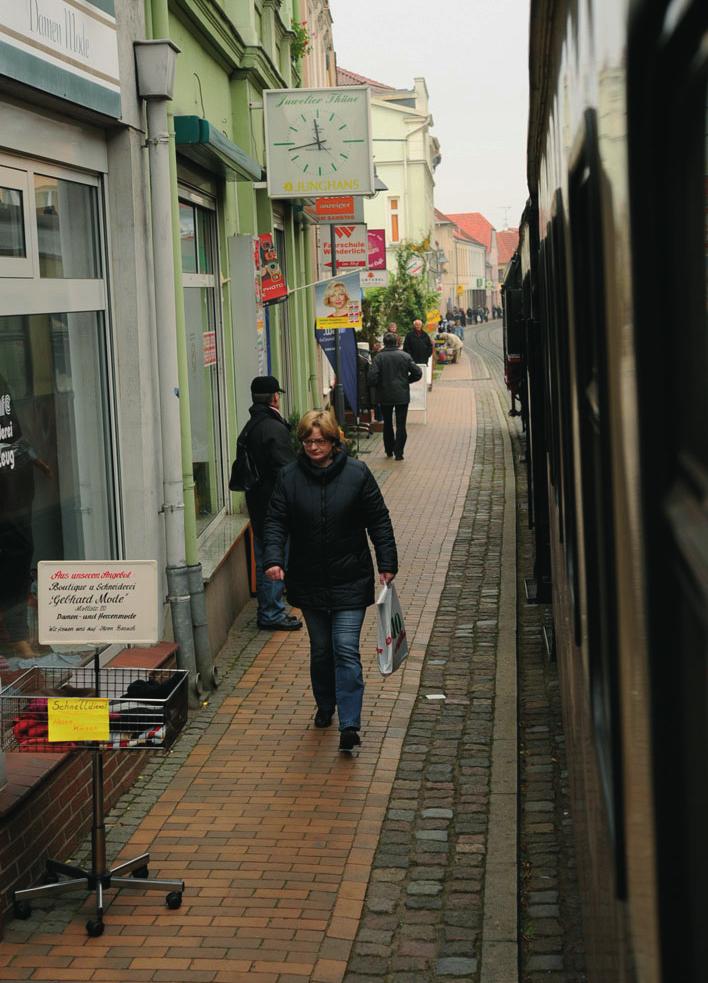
(273, 829)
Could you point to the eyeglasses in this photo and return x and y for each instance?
(316, 442)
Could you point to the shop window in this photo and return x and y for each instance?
(67, 228)
(203, 336)
(56, 492)
(395, 229)
(15, 238)
(12, 227)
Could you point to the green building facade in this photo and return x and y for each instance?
(230, 51)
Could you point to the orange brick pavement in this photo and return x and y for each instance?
(272, 828)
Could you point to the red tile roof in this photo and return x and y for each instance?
(458, 232)
(345, 77)
(475, 225)
(507, 243)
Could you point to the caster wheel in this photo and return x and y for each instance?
(94, 929)
(22, 909)
(174, 900)
(141, 872)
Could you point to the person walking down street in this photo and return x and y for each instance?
(270, 449)
(325, 504)
(418, 344)
(392, 372)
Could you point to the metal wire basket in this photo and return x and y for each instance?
(147, 708)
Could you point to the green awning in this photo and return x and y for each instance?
(199, 140)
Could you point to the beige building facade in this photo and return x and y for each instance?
(463, 276)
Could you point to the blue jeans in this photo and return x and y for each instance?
(269, 593)
(335, 664)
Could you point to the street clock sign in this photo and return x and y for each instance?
(318, 142)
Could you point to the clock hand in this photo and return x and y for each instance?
(317, 135)
(315, 143)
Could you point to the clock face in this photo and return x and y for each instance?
(318, 142)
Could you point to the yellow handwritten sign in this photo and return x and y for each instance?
(78, 720)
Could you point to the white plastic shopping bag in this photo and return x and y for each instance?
(392, 647)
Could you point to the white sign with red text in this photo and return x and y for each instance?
(352, 246)
(97, 602)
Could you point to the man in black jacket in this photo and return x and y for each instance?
(418, 344)
(391, 374)
(270, 449)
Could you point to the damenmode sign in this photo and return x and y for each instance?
(97, 602)
(68, 48)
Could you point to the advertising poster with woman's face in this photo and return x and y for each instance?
(338, 303)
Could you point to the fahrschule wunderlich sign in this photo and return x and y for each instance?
(68, 48)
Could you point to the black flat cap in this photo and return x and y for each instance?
(265, 384)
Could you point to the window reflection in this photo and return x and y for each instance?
(204, 402)
(56, 493)
(67, 228)
(12, 226)
(187, 238)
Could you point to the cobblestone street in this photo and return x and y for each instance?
(400, 864)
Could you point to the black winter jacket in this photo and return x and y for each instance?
(327, 513)
(269, 446)
(418, 346)
(391, 374)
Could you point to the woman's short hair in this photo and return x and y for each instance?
(323, 420)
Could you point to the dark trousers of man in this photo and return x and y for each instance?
(395, 444)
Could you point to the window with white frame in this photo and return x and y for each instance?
(57, 480)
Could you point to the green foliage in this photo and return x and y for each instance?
(406, 297)
(300, 44)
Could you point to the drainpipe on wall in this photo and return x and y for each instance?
(158, 15)
(155, 63)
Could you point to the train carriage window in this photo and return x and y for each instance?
(668, 72)
(594, 434)
(568, 514)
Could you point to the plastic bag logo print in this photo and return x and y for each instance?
(392, 647)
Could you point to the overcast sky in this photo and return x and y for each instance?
(473, 56)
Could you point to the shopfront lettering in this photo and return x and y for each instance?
(312, 100)
(69, 33)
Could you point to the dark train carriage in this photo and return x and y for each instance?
(613, 289)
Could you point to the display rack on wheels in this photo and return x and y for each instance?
(97, 709)
(135, 723)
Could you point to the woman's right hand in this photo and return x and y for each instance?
(275, 573)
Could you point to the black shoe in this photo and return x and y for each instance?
(389, 453)
(399, 457)
(323, 718)
(289, 623)
(349, 739)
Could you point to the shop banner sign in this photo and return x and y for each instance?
(348, 356)
(377, 249)
(351, 244)
(274, 289)
(338, 303)
(97, 602)
(66, 48)
(343, 208)
(373, 278)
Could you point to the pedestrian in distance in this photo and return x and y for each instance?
(391, 374)
(325, 504)
(418, 344)
(270, 448)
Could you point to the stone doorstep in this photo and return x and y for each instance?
(26, 773)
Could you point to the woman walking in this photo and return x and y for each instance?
(325, 503)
